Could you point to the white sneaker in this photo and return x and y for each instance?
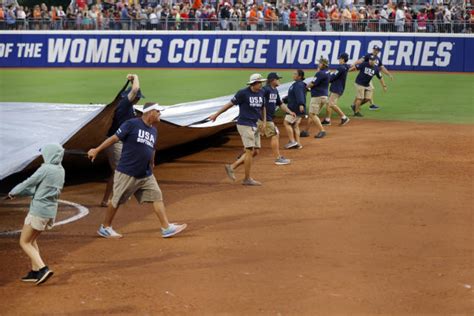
(172, 230)
(291, 145)
(108, 232)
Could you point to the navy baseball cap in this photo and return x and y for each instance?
(344, 56)
(376, 47)
(126, 92)
(273, 75)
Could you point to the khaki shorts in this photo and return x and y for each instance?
(39, 223)
(317, 104)
(113, 153)
(363, 92)
(144, 189)
(270, 129)
(292, 120)
(250, 136)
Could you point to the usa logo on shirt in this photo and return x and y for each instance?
(146, 138)
(256, 102)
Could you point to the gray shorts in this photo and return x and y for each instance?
(250, 136)
(144, 189)
(113, 153)
(39, 223)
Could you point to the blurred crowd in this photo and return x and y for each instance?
(294, 15)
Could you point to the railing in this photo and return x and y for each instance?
(170, 24)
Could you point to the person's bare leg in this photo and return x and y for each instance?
(35, 244)
(108, 190)
(27, 238)
(308, 125)
(238, 162)
(328, 111)
(109, 215)
(337, 109)
(316, 121)
(160, 211)
(297, 131)
(275, 143)
(289, 131)
(249, 152)
(357, 105)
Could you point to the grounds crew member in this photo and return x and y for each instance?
(134, 173)
(123, 112)
(251, 108)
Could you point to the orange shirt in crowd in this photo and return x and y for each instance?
(197, 4)
(2, 14)
(253, 19)
(37, 13)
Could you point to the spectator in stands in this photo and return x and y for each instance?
(293, 18)
(346, 19)
(400, 18)
(10, 18)
(447, 19)
(21, 18)
(421, 19)
(285, 18)
(335, 19)
(408, 20)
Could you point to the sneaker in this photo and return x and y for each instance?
(344, 121)
(353, 107)
(304, 134)
(108, 232)
(299, 146)
(291, 145)
(251, 182)
(358, 114)
(32, 276)
(325, 122)
(230, 172)
(374, 107)
(282, 161)
(320, 134)
(172, 230)
(43, 275)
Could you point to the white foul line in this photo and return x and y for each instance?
(83, 211)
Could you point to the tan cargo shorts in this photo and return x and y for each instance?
(270, 129)
(144, 189)
(317, 104)
(363, 92)
(39, 223)
(250, 136)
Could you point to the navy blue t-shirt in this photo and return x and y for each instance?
(366, 74)
(297, 97)
(250, 106)
(320, 84)
(272, 100)
(378, 61)
(123, 112)
(138, 148)
(338, 79)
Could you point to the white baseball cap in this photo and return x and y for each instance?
(256, 78)
(153, 106)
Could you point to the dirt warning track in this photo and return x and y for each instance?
(375, 218)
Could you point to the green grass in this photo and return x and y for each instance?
(430, 97)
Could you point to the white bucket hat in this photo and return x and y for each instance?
(256, 78)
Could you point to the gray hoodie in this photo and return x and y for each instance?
(45, 184)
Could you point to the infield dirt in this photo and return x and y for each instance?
(375, 218)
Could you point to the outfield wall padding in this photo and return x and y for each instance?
(275, 50)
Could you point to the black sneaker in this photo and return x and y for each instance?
(344, 121)
(374, 107)
(353, 107)
(304, 134)
(43, 275)
(320, 134)
(326, 123)
(358, 114)
(32, 276)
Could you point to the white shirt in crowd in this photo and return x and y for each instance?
(400, 17)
